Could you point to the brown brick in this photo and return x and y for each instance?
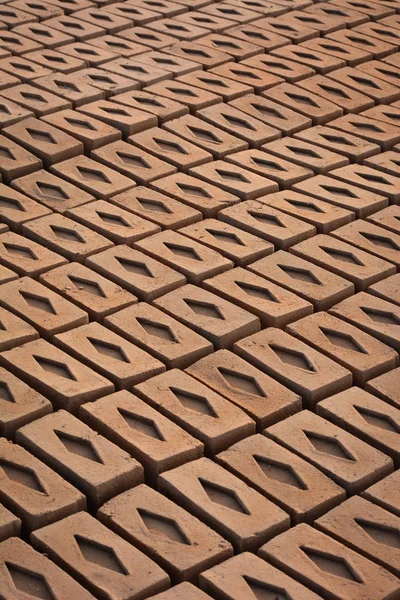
(239, 14)
(136, 272)
(44, 35)
(372, 9)
(17, 44)
(112, 43)
(358, 266)
(109, 83)
(156, 207)
(320, 62)
(204, 57)
(178, 91)
(108, 353)
(6, 275)
(386, 387)
(259, 80)
(372, 238)
(80, 30)
(373, 315)
(295, 31)
(380, 31)
(352, 146)
(19, 404)
(378, 132)
(348, 99)
(53, 59)
(147, 37)
(283, 477)
(163, 108)
(14, 331)
(42, 11)
(7, 80)
(178, 29)
(237, 44)
(138, 15)
(295, 364)
(92, 56)
(45, 141)
(305, 154)
(202, 412)
(210, 21)
(23, 569)
(377, 89)
(140, 72)
(352, 55)
(163, 7)
(19, 66)
(227, 89)
(154, 440)
(51, 191)
(162, 336)
(133, 162)
(388, 162)
(365, 528)
(71, 239)
(387, 113)
(246, 575)
(362, 41)
(179, 542)
(388, 289)
(348, 16)
(268, 223)
(381, 70)
(11, 113)
(238, 123)
(15, 160)
(128, 120)
(289, 70)
(198, 194)
(273, 114)
(224, 502)
(70, 6)
(16, 208)
(110, 21)
(25, 256)
(40, 102)
(9, 524)
(343, 194)
(350, 462)
(385, 493)
(176, 65)
(94, 465)
(216, 319)
(262, 397)
(34, 493)
(100, 559)
(324, 23)
(191, 258)
(367, 417)
(115, 223)
(329, 567)
(233, 243)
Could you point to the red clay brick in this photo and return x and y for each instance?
(33, 491)
(204, 57)
(42, 11)
(15, 160)
(7, 80)
(224, 502)
(80, 30)
(273, 114)
(237, 44)
(92, 56)
(128, 120)
(99, 559)
(381, 32)
(329, 567)
(17, 44)
(44, 35)
(111, 22)
(385, 493)
(377, 89)
(11, 113)
(258, 79)
(140, 72)
(348, 16)
(67, 382)
(176, 65)
(202, 412)
(262, 397)
(386, 387)
(362, 41)
(227, 89)
(354, 147)
(288, 70)
(178, 29)
(23, 68)
(16, 208)
(295, 31)
(381, 70)
(14, 331)
(320, 62)
(164, 7)
(239, 14)
(6, 275)
(350, 462)
(156, 441)
(378, 132)
(138, 15)
(109, 83)
(147, 37)
(112, 43)
(9, 524)
(25, 256)
(162, 107)
(305, 154)
(372, 9)
(352, 55)
(388, 289)
(388, 162)
(179, 542)
(162, 336)
(40, 102)
(387, 113)
(54, 60)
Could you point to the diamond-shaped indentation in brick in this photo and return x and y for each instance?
(5, 393)
(100, 555)
(333, 565)
(163, 527)
(6, 153)
(90, 287)
(343, 256)
(329, 445)
(375, 419)
(342, 340)
(223, 496)
(20, 251)
(93, 175)
(133, 160)
(194, 402)
(69, 235)
(41, 136)
(170, 146)
(183, 251)
(28, 582)
(78, 446)
(38, 302)
(205, 309)
(142, 424)
(52, 191)
(257, 292)
(55, 368)
(300, 274)
(294, 358)
(23, 476)
(242, 382)
(158, 330)
(280, 472)
(382, 317)
(133, 266)
(111, 350)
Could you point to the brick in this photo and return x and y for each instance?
(248, 574)
(193, 97)
(372, 130)
(166, 532)
(296, 32)
(381, 32)
(109, 354)
(328, 567)
(128, 120)
(372, 238)
(92, 132)
(157, 208)
(45, 141)
(14, 331)
(348, 99)
(100, 559)
(262, 397)
(223, 501)
(112, 43)
(380, 70)
(387, 289)
(147, 37)
(202, 412)
(388, 162)
(227, 89)
(164, 7)
(89, 461)
(233, 243)
(161, 107)
(137, 15)
(204, 57)
(351, 197)
(40, 102)
(358, 266)
(133, 162)
(23, 570)
(387, 113)
(363, 355)
(162, 336)
(239, 14)
(80, 30)
(238, 123)
(350, 462)
(237, 44)
(283, 477)
(320, 62)
(373, 315)
(25, 256)
(42, 11)
(178, 29)
(385, 387)
(136, 272)
(371, 180)
(92, 55)
(53, 59)
(211, 21)
(171, 148)
(32, 491)
(9, 524)
(176, 65)
(216, 319)
(142, 73)
(191, 258)
(279, 66)
(17, 44)
(153, 439)
(15, 160)
(354, 147)
(365, 528)
(70, 6)
(377, 89)
(258, 79)
(23, 68)
(273, 113)
(7, 80)
(385, 493)
(352, 55)
(362, 41)
(16, 208)
(44, 35)
(198, 194)
(278, 169)
(111, 22)
(267, 223)
(19, 404)
(273, 305)
(372, 9)
(351, 18)
(269, 8)
(11, 113)
(6, 275)
(109, 83)
(324, 23)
